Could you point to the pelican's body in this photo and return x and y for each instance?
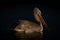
(28, 27)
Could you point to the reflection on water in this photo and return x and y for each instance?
(33, 38)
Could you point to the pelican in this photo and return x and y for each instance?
(30, 28)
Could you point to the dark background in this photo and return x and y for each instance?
(11, 13)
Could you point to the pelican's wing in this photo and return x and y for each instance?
(38, 17)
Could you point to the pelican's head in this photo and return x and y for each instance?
(39, 18)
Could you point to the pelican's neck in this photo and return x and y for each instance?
(41, 26)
